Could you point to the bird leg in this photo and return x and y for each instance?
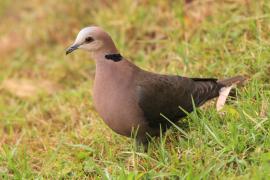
(141, 145)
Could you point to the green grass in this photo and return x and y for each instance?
(54, 132)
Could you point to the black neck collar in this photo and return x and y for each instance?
(114, 57)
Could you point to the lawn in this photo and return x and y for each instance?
(49, 128)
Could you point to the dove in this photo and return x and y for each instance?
(130, 99)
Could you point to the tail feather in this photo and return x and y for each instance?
(223, 94)
(226, 91)
(238, 80)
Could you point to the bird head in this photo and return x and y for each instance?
(92, 39)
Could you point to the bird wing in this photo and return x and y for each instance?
(163, 94)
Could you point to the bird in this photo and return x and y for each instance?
(130, 99)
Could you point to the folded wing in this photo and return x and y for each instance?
(167, 95)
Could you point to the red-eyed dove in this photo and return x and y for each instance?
(129, 98)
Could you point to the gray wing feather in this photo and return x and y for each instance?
(163, 94)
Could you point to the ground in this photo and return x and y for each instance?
(49, 128)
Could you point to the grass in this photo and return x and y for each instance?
(49, 128)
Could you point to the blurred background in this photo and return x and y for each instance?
(48, 126)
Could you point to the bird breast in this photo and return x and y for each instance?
(115, 101)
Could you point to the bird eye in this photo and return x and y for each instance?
(89, 39)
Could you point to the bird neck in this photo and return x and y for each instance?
(102, 63)
(109, 53)
(114, 57)
(112, 62)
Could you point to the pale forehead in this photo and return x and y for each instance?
(84, 33)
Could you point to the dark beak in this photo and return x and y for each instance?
(72, 48)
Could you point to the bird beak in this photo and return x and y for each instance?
(72, 48)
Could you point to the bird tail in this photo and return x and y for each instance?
(236, 80)
(226, 90)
